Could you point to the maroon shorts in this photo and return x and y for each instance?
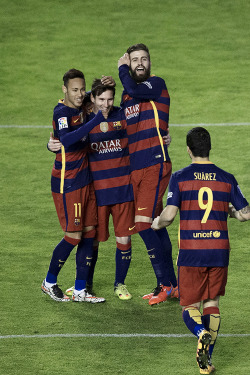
(77, 209)
(197, 284)
(149, 186)
(123, 215)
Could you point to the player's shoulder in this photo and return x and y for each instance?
(116, 114)
(154, 78)
(182, 173)
(61, 110)
(226, 175)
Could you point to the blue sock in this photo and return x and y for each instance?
(192, 319)
(93, 264)
(122, 259)
(59, 257)
(153, 245)
(83, 262)
(167, 254)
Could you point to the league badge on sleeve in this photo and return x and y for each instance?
(63, 123)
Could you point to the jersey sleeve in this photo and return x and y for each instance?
(237, 198)
(150, 89)
(174, 194)
(72, 137)
(61, 122)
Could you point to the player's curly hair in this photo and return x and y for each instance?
(98, 88)
(138, 47)
(199, 142)
(71, 74)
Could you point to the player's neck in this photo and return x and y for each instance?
(198, 159)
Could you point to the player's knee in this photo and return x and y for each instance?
(123, 240)
(140, 226)
(89, 232)
(72, 240)
(123, 246)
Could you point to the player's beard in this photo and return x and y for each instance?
(142, 77)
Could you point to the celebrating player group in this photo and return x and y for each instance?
(114, 161)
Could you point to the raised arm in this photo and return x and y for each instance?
(70, 138)
(149, 89)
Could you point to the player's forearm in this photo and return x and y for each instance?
(76, 135)
(166, 217)
(164, 222)
(127, 81)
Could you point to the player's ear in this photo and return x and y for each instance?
(92, 98)
(189, 152)
(64, 89)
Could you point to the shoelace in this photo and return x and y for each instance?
(57, 291)
(124, 288)
(157, 290)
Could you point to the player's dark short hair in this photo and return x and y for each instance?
(199, 142)
(138, 47)
(71, 74)
(98, 88)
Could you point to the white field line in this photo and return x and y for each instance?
(113, 335)
(170, 125)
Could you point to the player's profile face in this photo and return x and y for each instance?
(74, 92)
(105, 101)
(140, 65)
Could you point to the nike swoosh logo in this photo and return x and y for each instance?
(131, 228)
(76, 120)
(143, 208)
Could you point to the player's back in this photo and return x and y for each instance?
(204, 192)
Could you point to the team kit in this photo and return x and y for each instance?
(114, 162)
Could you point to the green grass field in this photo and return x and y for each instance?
(201, 49)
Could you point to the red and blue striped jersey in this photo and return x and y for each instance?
(109, 160)
(70, 171)
(202, 191)
(146, 107)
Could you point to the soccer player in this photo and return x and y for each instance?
(202, 193)
(72, 191)
(109, 163)
(146, 101)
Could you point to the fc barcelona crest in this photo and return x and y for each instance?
(117, 125)
(77, 222)
(104, 126)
